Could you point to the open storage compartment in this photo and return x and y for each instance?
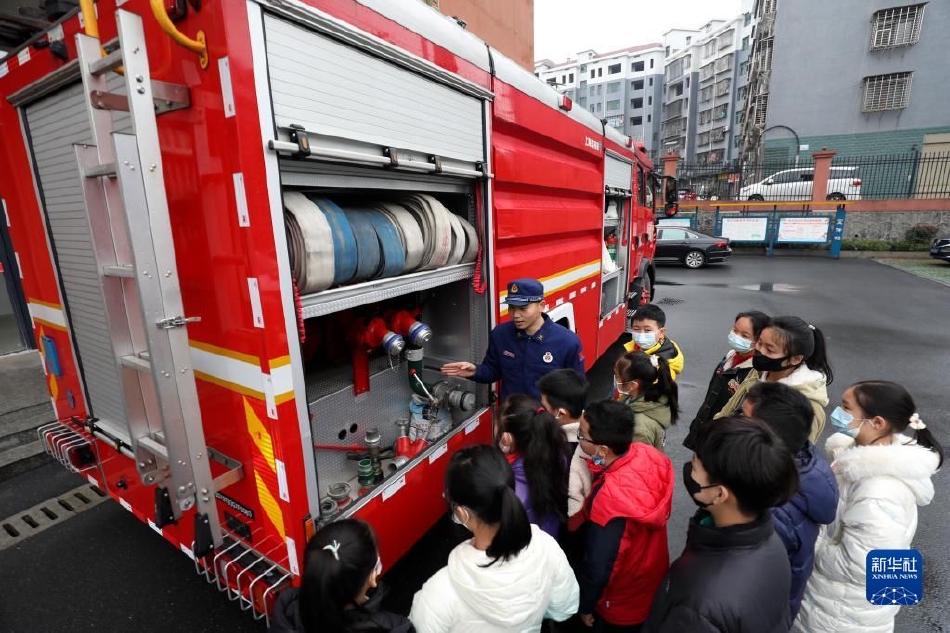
(386, 171)
(359, 383)
(618, 180)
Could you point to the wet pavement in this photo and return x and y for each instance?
(880, 323)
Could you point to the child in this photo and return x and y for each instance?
(791, 351)
(510, 575)
(564, 394)
(883, 475)
(646, 386)
(338, 591)
(731, 371)
(734, 573)
(534, 444)
(649, 336)
(625, 552)
(788, 413)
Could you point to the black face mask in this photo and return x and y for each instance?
(761, 362)
(692, 486)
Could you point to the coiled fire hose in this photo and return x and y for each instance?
(330, 245)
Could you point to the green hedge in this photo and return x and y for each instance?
(883, 245)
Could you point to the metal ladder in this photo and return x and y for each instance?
(124, 194)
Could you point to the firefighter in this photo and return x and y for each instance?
(524, 349)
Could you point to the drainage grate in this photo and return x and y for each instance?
(670, 301)
(23, 525)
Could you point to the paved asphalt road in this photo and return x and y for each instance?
(104, 571)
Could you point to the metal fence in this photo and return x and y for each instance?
(913, 175)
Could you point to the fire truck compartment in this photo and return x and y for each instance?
(459, 321)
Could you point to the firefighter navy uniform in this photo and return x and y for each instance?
(518, 359)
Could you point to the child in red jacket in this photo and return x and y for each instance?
(625, 552)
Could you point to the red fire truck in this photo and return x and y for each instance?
(250, 232)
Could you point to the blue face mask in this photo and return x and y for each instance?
(645, 340)
(841, 421)
(598, 460)
(738, 343)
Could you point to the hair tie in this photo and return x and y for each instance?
(539, 410)
(916, 423)
(334, 548)
(811, 327)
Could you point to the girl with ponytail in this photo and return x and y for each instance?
(339, 590)
(646, 385)
(884, 457)
(510, 575)
(791, 351)
(535, 445)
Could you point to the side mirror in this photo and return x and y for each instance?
(768, 181)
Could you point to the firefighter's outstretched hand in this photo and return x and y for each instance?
(460, 369)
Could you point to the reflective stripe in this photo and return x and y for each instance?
(345, 255)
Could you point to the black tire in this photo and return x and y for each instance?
(695, 259)
(835, 196)
(647, 289)
(756, 197)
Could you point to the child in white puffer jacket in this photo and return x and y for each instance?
(883, 476)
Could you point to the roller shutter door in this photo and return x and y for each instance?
(349, 97)
(619, 174)
(55, 123)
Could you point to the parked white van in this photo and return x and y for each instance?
(796, 184)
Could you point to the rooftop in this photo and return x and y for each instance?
(595, 57)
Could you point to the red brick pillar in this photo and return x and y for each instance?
(822, 172)
(670, 162)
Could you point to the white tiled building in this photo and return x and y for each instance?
(624, 87)
(704, 95)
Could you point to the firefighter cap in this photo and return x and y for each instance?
(521, 292)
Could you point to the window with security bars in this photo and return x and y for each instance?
(760, 109)
(886, 92)
(897, 26)
(764, 57)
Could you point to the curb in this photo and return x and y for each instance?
(823, 254)
(889, 265)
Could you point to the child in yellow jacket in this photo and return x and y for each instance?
(649, 336)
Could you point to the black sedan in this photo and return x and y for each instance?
(941, 248)
(689, 247)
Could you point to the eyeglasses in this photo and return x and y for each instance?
(585, 439)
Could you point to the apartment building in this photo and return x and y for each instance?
(704, 99)
(623, 87)
(863, 77)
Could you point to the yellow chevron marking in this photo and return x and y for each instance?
(260, 435)
(269, 503)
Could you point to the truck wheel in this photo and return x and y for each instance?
(835, 196)
(756, 197)
(646, 293)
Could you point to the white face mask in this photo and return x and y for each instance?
(619, 390)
